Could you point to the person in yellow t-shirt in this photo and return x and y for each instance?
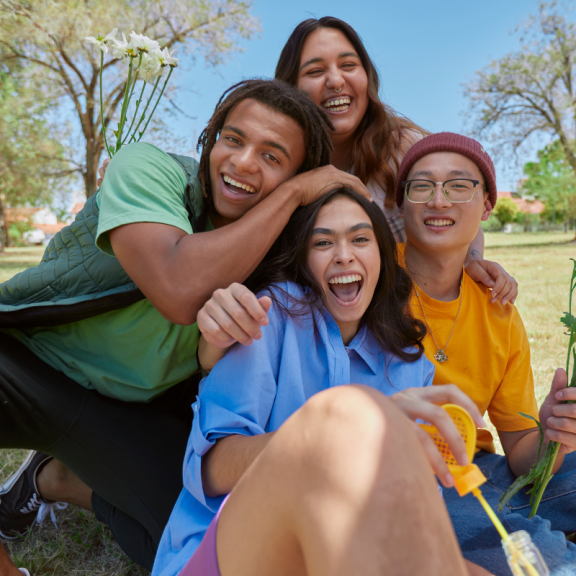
(446, 186)
(503, 367)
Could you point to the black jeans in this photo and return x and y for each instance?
(129, 453)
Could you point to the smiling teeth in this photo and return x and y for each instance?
(439, 222)
(337, 105)
(345, 279)
(233, 182)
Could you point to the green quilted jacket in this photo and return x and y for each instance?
(74, 279)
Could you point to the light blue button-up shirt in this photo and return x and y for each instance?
(255, 389)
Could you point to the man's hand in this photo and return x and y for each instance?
(233, 314)
(491, 274)
(425, 404)
(102, 171)
(559, 420)
(315, 183)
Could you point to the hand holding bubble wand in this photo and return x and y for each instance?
(523, 557)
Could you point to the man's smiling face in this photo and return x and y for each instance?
(439, 224)
(258, 149)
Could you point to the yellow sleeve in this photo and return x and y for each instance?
(516, 391)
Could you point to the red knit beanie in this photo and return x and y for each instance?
(449, 142)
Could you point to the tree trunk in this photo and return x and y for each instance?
(90, 174)
(3, 237)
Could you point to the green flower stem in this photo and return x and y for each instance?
(130, 96)
(157, 101)
(551, 453)
(541, 472)
(102, 106)
(133, 137)
(138, 102)
(124, 107)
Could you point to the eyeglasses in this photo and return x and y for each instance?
(457, 191)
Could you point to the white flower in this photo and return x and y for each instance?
(99, 41)
(103, 41)
(143, 43)
(150, 67)
(111, 38)
(132, 46)
(118, 48)
(166, 58)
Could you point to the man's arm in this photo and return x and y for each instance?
(178, 272)
(504, 286)
(559, 423)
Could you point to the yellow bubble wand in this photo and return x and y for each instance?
(523, 557)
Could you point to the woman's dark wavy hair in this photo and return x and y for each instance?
(388, 316)
(382, 133)
(278, 96)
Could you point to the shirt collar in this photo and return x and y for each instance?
(365, 345)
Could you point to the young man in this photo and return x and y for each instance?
(446, 186)
(97, 354)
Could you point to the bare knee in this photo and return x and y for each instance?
(342, 435)
(353, 414)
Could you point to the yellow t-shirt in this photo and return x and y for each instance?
(488, 355)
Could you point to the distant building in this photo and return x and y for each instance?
(44, 222)
(77, 208)
(527, 204)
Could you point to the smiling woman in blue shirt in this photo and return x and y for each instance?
(323, 478)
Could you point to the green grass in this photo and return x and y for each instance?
(14, 260)
(540, 263)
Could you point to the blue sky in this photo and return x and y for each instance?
(424, 50)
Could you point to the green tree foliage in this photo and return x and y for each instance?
(31, 158)
(51, 34)
(533, 90)
(552, 180)
(506, 210)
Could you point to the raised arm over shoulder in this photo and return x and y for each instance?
(178, 271)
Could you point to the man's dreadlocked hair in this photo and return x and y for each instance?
(283, 98)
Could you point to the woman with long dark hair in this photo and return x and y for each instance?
(326, 58)
(305, 457)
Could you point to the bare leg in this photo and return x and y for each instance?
(7, 567)
(343, 488)
(57, 482)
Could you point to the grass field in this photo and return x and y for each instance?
(540, 262)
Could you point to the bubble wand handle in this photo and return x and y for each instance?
(492, 515)
(515, 553)
(523, 557)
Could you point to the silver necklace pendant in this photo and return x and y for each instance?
(440, 356)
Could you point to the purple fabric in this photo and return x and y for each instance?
(204, 561)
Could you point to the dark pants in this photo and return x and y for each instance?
(129, 453)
